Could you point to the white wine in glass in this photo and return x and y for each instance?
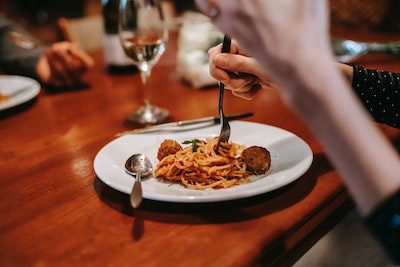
(143, 35)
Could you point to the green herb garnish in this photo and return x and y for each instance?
(194, 142)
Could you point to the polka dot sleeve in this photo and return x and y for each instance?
(380, 93)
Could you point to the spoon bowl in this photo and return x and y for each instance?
(347, 51)
(138, 163)
(138, 166)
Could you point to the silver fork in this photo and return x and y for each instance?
(22, 40)
(225, 127)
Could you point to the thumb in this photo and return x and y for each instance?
(239, 63)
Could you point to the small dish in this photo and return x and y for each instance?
(9, 84)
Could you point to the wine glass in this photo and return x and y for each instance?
(143, 35)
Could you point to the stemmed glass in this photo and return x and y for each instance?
(143, 35)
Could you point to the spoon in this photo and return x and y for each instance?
(347, 51)
(138, 166)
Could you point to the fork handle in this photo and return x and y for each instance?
(226, 48)
(221, 101)
(226, 44)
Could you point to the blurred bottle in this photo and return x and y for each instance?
(114, 56)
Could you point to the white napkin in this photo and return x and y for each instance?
(195, 38)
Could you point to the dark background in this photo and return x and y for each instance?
(40, 16)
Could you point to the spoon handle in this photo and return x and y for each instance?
(136, 194)
(138, 177)
(390, 47)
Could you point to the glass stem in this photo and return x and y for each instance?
(145, 75)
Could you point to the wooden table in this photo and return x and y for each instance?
(55, 211)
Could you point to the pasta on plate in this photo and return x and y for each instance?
(199, 166)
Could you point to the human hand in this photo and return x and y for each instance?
(287, 37)
(63, 64)
(241, 74)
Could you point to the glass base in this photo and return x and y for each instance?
(149, 114)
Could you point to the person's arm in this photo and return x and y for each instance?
(347, 71)
(290, 41)
(295, 52)
(368, 163)
(13, 58)
(59, 65)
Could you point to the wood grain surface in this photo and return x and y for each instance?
(54, 211)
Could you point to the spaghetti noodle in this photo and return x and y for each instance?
(200, 167)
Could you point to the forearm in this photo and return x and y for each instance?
(13, 58)
(369, 165)
(347, 71)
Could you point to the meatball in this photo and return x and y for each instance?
(168, 147)
(257, 159)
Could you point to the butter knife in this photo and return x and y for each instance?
(179, 124)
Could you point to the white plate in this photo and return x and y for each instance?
(290, 158)
(10, 84)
